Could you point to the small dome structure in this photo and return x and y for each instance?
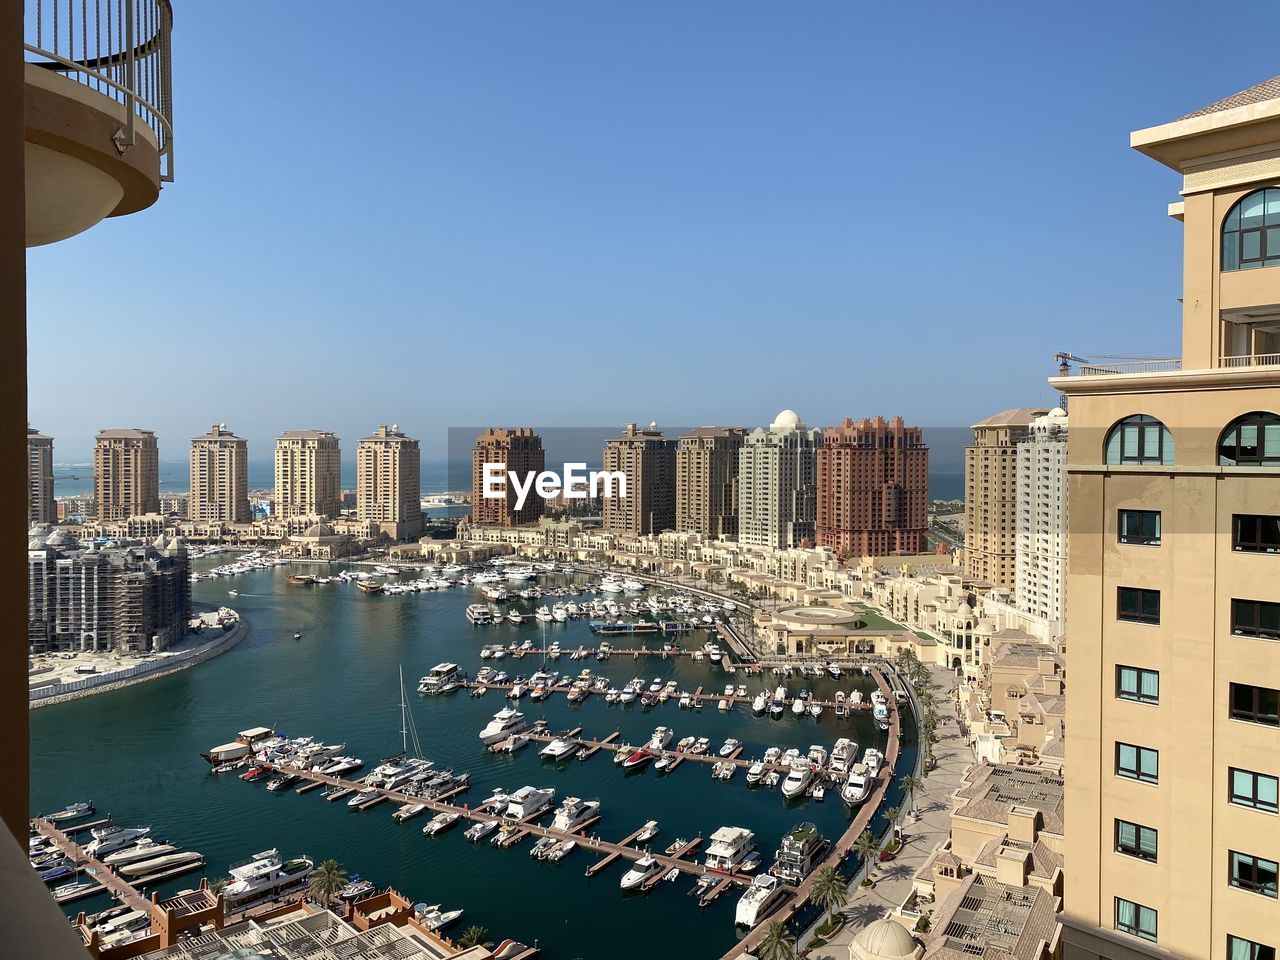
(885, 939)
(319, 530)
(786, 420)
(60, 538)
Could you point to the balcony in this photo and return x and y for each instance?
(98, 104)
(1251, 360)
(1105, 366)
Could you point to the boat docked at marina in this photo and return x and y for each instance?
(857, 786)
(77, 811)
(801, 850)
(558, 749)
(573, 813)
(797, 779)
(729, 847)
(111, 838)
(265, 875)
(529, 801)
(505, 722)
(761, 898)
(144, 849)
(643, 869)
(242, 746)
(165, 863)
(477, 832)
(440, 823)
(842, 754)
(443, 678)
(636, 759)
(661, 737)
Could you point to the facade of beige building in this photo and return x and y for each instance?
(308, 474)
(991, 495)
(1040, 578)
(707, 481)
(647, 459)
(1173, 757)
(126, 473)
(219, 477)
(778, 484)
(40, 502)
(389, 482)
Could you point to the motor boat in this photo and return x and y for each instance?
(801, 851)
(505, 722)
(798, 707)
(265, 874)
(440, 823)
(842, 755)
(108, 839)
(479, 831)
(857, 785)
(815, 709)
(779, 704)
(755, 772)
(559, 749)
(817, 755)
(144, 849)
(664, 762)
(764, 894)
(529, 801)
(730, 746)
(661, 737)
(573, 813)
(636, 759)
(685, 743)
(74, 812)
(760, 704)
(443, 678)
(873, 759)
(797, 780)
(729, 846)
(642, 870)
(700, 746)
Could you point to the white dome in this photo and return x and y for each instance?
(786, 420)
(1057, 412)
(885, 939)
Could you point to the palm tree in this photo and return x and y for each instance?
(216, 886)
(891, 816)
(475, 937)
(778, 943)
(327, 880)
(911, 783)
(867, 847)
(829, 891)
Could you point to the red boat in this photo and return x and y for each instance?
(637, 758)
(254, 773)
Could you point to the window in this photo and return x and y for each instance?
(1140, 526)
(1135, 919)
(1255, 618)
(1253, 874)
(1137, 763)
(1251, 441)
(1139, 440)
(1238, 948)
(1255, 533)
(1251, 232)
(1137, 684)
(1255, 704)
(1135, 840)
(1257, 790)
(1138, 605)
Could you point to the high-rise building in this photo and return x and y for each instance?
(40, 502)
(135, 598)
(1173, 720)
(778, 484)
(126, 473)
(1040, 577)
(389, 482)
(707, 481)
(873, 489)
(991, 496)
(647, 459)
(519, 450)
(219, 477)
(308, 474)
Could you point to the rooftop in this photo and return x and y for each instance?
(1258, 93)
(993, 920)
(1015, 417)
(126, 433)
(991, 790)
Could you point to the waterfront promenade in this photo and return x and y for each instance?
(921, 836)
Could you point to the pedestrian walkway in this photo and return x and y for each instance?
(893, 880)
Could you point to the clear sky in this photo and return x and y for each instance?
(564, 213)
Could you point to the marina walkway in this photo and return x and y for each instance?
(121, 889)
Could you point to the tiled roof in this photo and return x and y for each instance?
(1017, 417)
(1259, 93)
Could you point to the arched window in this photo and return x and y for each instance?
(1139, 440)
(1250, 441)
(1251, 232)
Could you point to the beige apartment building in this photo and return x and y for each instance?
(991, 496)
(519, 449)
(1173, 758)
(40, 502)
(219, 477)
(707, 481)
(389, 482)
(308, 474)
(126, 473)
(778, 484)
(647, 459)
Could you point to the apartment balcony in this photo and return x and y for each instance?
(1251, 360)
(98, 104)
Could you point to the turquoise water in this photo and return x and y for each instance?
(135, 753)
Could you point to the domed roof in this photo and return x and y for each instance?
(985, 628)
(35, 543)
(786, 420)
(1057, 412)
(60, 538)
(885, 939)
(319, 530)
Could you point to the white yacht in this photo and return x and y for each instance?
(505, 722)
(340, 765)
(479, 613)
(573, 813)
(559, 748)
(798, 778)
(880, 712)
(729, 847)
(802, 849)
(760, 704)
(842, 755)
(479, 831)
(144, 849)
(111, 838)
(761, 897)
(729, 746)
(611, 584)
(644, 868)
(494, 592)
(661, 737)
(858, 785)
(873, 759)
(528, 801)
(443, 678)
(265, 874)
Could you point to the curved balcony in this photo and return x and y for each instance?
(99, 108)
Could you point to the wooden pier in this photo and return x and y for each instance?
(624, 842)
(107, 878)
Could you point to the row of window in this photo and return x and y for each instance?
(1249, 618)
(1141, 440)
(1250, 532)
(1139, 921)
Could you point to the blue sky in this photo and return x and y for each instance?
(566, 213)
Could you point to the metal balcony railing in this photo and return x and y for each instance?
(1103, 366)
(1250, 360)
(120, 48)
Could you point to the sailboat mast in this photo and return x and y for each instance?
(404, 726)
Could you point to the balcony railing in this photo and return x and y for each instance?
(120, 48)
(1104, 366)
(1250, 360)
